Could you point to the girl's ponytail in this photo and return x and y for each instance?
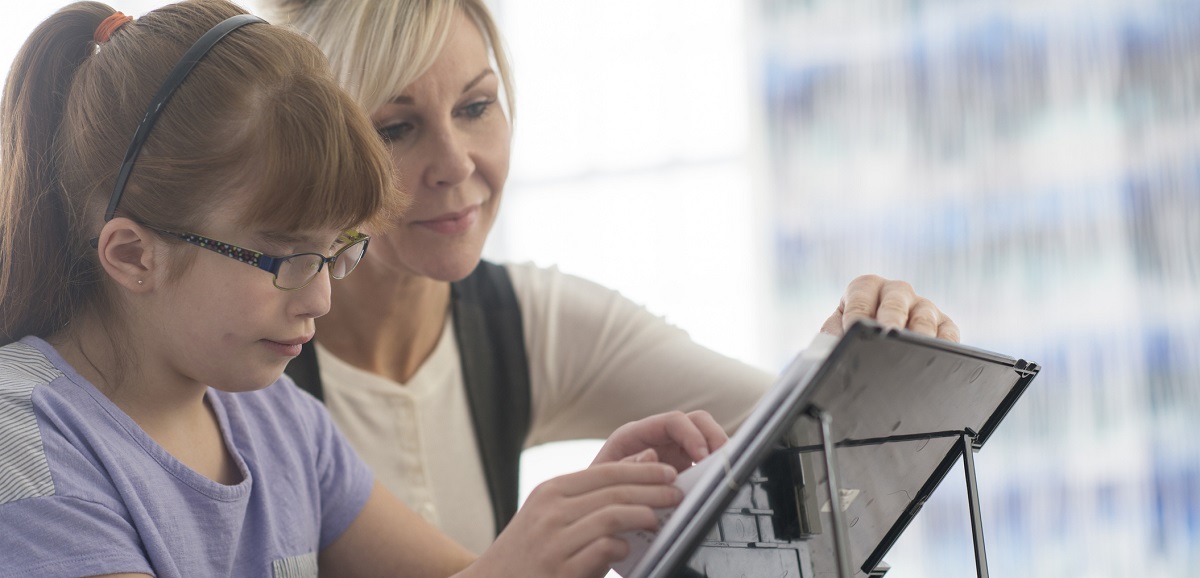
(36, 254)
(260, 121)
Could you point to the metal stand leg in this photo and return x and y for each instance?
(968, 449)
(841, 537)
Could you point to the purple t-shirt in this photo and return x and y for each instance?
(84, 491)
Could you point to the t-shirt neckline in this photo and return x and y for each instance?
(168, 462)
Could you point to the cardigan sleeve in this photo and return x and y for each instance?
(598, 360)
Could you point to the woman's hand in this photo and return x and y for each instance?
(568, 526)
(891, 304)
(673, 438)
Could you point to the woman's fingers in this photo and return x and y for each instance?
(861, 299)
(896, 302)
(678, 438)
(833, 325)
(646, 455)
(609, 521)
(714, 434)
(924, 318)
(891, 304)
(652, 496)
(600, 553)
(605, 475)
(578, 528)
(948, 330)
(694, 434)
(703, 435)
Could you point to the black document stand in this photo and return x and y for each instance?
(875, 430)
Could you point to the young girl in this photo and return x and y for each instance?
(149, 303)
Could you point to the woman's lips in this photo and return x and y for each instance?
(451, 223)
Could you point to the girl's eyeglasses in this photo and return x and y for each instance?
(291, 271)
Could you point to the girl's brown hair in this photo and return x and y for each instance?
(259, 117)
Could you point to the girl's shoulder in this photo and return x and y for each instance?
(23, 366)
(24, 470)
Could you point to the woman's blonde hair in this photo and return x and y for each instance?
(259, 115)
(378, 47)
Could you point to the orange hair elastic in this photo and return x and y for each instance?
(108, 26)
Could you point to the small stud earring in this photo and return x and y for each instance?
(139, 281)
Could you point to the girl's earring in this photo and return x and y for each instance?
(139, 281)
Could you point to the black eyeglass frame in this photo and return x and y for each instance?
(272, 263)
(186, 63)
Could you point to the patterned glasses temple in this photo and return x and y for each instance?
(269, 263)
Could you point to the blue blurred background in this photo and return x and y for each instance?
(1034, 165)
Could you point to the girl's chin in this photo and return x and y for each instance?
(261, 380)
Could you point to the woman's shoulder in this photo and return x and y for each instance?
(536, 283)
(564, 314)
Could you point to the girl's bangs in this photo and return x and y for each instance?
(314, 161)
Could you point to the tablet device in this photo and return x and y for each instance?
(897, 405)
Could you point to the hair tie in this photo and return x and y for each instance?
(108, 26)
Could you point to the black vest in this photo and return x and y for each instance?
(491, 344)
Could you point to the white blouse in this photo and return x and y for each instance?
(597, 360)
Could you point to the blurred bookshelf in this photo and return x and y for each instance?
(1034, 168)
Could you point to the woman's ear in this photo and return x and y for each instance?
(127, 254)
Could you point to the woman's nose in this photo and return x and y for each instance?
(449, 159)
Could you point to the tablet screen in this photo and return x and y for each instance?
(898, 405)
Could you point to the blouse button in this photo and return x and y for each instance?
(429, 513)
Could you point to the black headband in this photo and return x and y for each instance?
(174, 79)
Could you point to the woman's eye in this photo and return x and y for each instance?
(477, 109)
(395, 132)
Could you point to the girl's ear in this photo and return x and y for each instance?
(127, 254)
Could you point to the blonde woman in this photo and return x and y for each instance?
(441, 368)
